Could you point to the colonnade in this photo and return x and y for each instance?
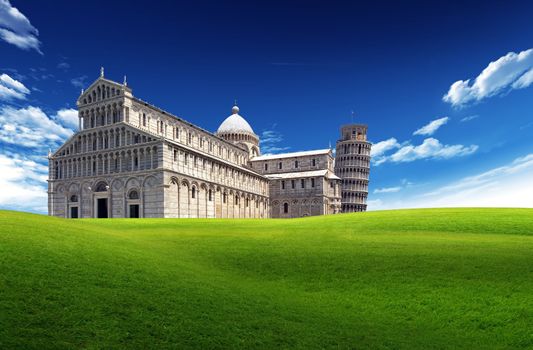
(350, 208)
(103, 140)
(355, 185)
(350, 147)
(353, 173)
(134, 159)
(354, 197)
(102, 115)
(359, 161)
(191, 199)
(211, 169)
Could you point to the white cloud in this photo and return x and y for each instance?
(505, 186)
(380, 148)
(487, 177)
(14, 84)
(23, 183)
(469, 118)
(68, 117)
(16, 29)
(430, 128)
(269, 141)
(12, 89)
(63, 65)
(524, 81)
(388, 190)
(430, 149)
(30, 127)
(79, 82)
(512, 71)
(526, 126)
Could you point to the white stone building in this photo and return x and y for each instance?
(132, 159)
(301, 183)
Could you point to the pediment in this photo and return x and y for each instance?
(101, 90)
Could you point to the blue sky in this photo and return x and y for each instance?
(446, 88)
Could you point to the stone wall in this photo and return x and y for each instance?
(84, 193)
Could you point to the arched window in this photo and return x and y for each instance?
(101, 187)
(210, 196)
(193, 192)
(286, 208)
(133, 194)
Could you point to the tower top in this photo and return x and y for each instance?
(235, 108)
(101, 72)
(125, 81)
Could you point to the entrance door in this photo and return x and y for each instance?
(73, 212)
(134, 210)
(102, 208)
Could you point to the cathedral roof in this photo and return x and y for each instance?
(299, 174)
(235, 123)
(293, 154)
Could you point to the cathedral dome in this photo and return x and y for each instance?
(235, 124)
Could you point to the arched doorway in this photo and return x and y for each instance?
(101, 200)
(134, 204)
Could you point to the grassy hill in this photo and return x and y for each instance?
(446, 278)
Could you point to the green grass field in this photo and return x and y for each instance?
(427, 279)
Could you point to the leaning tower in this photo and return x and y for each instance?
(352, 165)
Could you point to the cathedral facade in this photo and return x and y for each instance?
(130, 159)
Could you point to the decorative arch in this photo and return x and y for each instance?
(174, 181)
(149, 181)
(134, 194)
(132, 182)
(101, 186)
(74, 188)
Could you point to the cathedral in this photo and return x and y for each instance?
(130, 159)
